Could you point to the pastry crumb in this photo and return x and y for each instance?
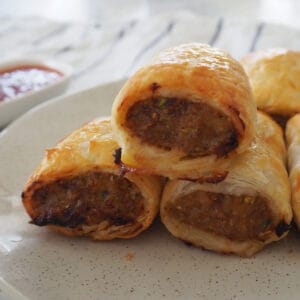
(129, 256)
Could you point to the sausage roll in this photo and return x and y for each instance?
(79, 190)
(275, 78)
(184, 113)
(241, 214)
(293, 142)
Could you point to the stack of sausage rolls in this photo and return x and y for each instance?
(189, 116)
(274, 75)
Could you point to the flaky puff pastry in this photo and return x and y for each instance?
(87, 151)
(196, 73)
(292, 133)
(258, 172)
(275, 78)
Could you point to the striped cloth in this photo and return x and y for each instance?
(107, 52)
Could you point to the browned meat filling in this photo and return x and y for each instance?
(87, 199)
(195, 128)
(237, 218)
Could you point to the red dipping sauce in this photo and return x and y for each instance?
(23, 79)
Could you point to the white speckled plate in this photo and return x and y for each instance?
(36, 263)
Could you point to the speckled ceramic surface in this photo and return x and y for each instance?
(36, 263)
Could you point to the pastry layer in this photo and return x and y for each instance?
(292, 134)
(77, 189)
(275, 78)
(187, 114)
(243, 213)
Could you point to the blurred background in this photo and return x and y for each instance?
(279, 11)
(105, 41)
(108, 40)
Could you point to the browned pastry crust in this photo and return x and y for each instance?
(248, 210)
(63, 191)
(292, 133)
(275, 78)
(186, 114)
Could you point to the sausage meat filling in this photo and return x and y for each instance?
(197, 129)
(87, 199)
(235, 217)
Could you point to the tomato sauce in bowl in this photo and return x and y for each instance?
(20, 80)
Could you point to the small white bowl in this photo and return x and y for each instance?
(12, 108)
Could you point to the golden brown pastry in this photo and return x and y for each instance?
(275, 78)
(243, 213)
(186, 114)
(292, 133)
(77, 189)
